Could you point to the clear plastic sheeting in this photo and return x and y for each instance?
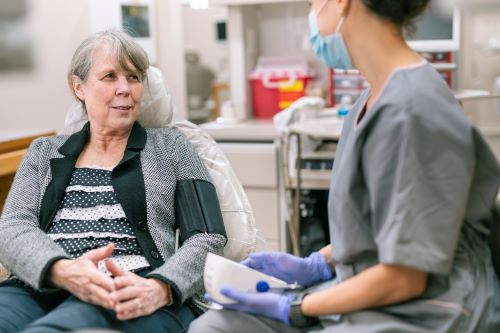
(304, 108)
(157, 110)
(237, 213)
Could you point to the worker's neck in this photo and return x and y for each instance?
(379, 53)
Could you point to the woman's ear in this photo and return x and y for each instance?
(343, 6)
(78, 88)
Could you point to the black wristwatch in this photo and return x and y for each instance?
(297, 318)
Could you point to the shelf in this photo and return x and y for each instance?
(247, 2)
(324, 128)
(14, 139)
(248, 130)
(442, 67)
(469, 94)
(312, 180)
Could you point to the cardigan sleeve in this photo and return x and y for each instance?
(25, 249)
(184, 270)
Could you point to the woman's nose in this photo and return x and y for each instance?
(122, 86)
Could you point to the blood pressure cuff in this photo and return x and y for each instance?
(197, 209)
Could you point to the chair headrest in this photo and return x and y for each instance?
(157, 107)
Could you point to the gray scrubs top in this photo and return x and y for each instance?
(413, 185)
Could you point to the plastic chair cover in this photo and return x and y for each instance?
(236, 210)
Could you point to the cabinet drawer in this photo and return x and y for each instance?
(266, 211)
(253, 163)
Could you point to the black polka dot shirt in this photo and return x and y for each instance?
(90, 216)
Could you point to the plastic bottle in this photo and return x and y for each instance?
(345, 106)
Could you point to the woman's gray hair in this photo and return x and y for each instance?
(122, 48)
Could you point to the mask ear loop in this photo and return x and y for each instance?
(341, 22)
(321, 7)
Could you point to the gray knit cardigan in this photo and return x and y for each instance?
(144, 182)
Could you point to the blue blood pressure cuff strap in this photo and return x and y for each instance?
(197, 209)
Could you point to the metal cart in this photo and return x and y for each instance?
(298, 177)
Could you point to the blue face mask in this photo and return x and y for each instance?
(330, 49)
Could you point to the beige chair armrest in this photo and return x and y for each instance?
(9, 162)
(495, 238)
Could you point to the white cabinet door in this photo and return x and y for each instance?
(256, 166)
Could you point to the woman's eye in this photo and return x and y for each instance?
(109, 76)
(134, 77)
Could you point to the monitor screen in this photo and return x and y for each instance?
(438, 30)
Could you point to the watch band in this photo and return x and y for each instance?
(297, 318)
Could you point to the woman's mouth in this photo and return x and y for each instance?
(122, 107)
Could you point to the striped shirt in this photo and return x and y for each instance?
(90, 216)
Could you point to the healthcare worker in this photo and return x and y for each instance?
(412, 190)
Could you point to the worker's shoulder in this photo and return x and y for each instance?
(420, 93)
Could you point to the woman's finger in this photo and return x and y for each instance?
(102, 279)
(133, 306)
(124, 281)
(125, 294)
(99, 296)
(113, 268)
(99, 254)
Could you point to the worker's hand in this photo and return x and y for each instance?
(291, 269)
(136, 296)
(82, 278)
(268, 304)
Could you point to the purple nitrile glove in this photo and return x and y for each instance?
(271, 305)
(304, 271)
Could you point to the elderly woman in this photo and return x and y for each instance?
(89, 227)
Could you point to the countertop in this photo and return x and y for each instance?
(9, 134)
(247, 130)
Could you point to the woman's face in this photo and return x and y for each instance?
(112, 95)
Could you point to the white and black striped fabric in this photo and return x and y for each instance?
(90, 216)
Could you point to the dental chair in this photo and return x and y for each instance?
(495, 238)
(158, 110)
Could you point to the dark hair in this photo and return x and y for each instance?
(400, 12)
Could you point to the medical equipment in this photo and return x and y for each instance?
(437, 30)
(330, 49)
(345, 106)
(221, 272)
(468, 3)
(197, 209)
(345, 84)
(277, 82)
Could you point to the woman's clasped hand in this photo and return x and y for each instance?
(128, 294)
